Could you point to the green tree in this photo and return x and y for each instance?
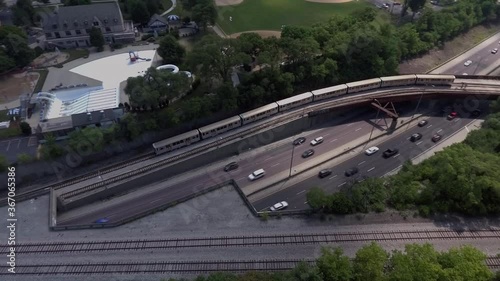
(96, 38)
(24, 158)
(334, 266)
(204, 13)
(50, 149)
(418, 262)
(317, 198)
(17, 48)
(25, 128)
(170, 50)
(416, 5)
(87, 140)
(23, 13)
(76, 2)
(463, 264)
(369, 263)
(305, 272)
(138, 11)
(3, 163)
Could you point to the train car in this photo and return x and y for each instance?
(294, 101)
(400, 80)
(363, 85)
(435, 79)
(220, 127)
(329, 92)
(259, 113)
(176, 142)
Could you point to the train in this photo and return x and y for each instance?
(271, 109)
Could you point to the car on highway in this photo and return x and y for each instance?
(103, 220)
(476, 113)
(452, 115)
(317, 141)
(279, 206)
(494, 51)
(231, 166)
(467, 63)
(372, 150)
(415, 137)
(465, 73)
(390, 152)
(299, 141)
(436, 138)
(352, 171)
(257, 174)
(324, 173)
(422, 123)
(308, 153)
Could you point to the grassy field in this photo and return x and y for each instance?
(272, 14)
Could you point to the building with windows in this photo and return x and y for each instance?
(69, 27)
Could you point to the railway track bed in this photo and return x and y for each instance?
(246, 241)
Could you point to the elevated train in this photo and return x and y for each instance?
(265, 111)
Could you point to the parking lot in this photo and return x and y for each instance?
(13, 147)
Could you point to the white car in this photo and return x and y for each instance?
(279, 206)
(257, 174)
(467, 63)
(371, 150)
(494, 51)
(465, 73)
(317, 141)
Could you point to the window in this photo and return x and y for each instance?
(96, 23)
(54, 26)
(75, 23)
(68, 33)
(57, 34)
(78, 32)
(87, 30)
(105, 21)
(108, 29)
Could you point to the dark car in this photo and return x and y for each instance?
(390, 152)
(231, 166)
(476, 113)
(436, 138)
(351, 171)
(307, 153)
(415, 137)
(422, 123)
(452, 116)
(324, 173)
(298, 141)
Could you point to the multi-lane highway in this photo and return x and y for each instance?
(273, 162)
(368, 166)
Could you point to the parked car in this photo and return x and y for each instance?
(317, 141)
(372, 150)
(467, 63)
(279, 206)
(299, 141)
(308, 153)
(452, 115)
(390, 152)
(324, 173)
(415, 137)
(436, 138)
(494, 51)
(231, 166)
(257, 174)
(422, 123)
(351, 171)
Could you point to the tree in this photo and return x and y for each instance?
(334, 266)
(50, 149)
(204, 13)
(3, 163)
(170, 50)
(464, 263)
(23, 13)
(25, 128)
(153, 6)
(96, 38)
(76, 2)
(316, 198)
(24, 158)
(87, 140)
(416, 5)
(16, 47)
(369, 263)
(305, 272)
(418, 262)
(138, 11)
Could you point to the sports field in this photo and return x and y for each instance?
(272, 14)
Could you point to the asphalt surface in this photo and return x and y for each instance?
(368, 166)
(273, 162)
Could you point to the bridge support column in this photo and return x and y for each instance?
(394, 124)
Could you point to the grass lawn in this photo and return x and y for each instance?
(41, 80)
(272, 14)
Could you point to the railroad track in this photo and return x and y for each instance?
(242, 241)
(185, 267)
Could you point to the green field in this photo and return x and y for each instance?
(272, 14)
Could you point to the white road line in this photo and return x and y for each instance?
(301, 192)
(267, 159)
(8, 146)
(19, 143)
(275, 165)
(419, 142)
(350, 124)
(467, 129)
(326, 135)
(155, 201)
(305, 202)
(342, 184)
(429, 126)
(361, 163)
(371, 169)
(240, 178)
(439, 130)
(332, 177)
(395, 155)
(357, 129)
(333, 140)
(408, 138)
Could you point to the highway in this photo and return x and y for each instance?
(273, 162)
(369, 166)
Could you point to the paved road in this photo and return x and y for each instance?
(369, 166)
(11, 148)
(273, 162)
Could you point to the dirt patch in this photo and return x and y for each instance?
(452, 48)
(50, 59)
(14, 85)
(227, 2)
(262, 33)
(330, 1)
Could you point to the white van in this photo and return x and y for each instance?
(257, 174)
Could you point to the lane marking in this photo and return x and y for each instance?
(155, 201)
(332, 177)
(305, 202)
(429, 126)
(371, 169)
(357, 129)
(361, 163)
(467, 129)
(301, 192)
(350, 124)
(275, 165)
(342, 184)
(439, 130)
(333, 140)
(326, 135)
(268, 159)
(8, 146)
(408, 138)
(19, 143)
(395, 155)
(419, 142)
